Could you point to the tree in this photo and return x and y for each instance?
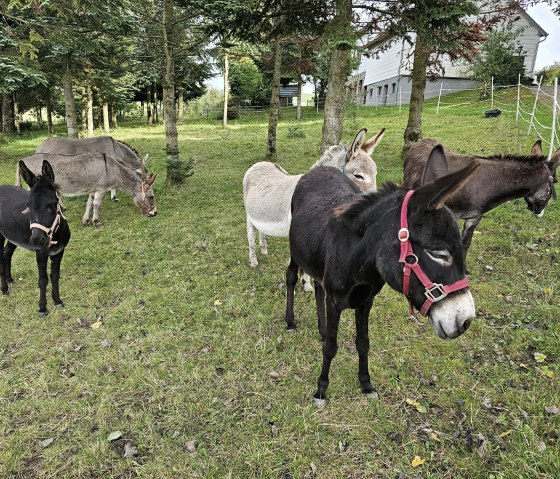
(501, 57)
(245, 79)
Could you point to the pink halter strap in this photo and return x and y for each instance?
(434, 292)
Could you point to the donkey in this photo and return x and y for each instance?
(94, 174)
(101, 144)
(500, 178)
(268, 190)
(352, 244)
(33, 220)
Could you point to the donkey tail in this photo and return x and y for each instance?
(18, 176)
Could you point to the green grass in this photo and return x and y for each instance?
(193, 333)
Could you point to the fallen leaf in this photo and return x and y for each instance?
(541, 446)
(417, 461)
(46, 442)
(489, 268)
(105, 344)
(434, 436)
(313, 468)
(77, 347)
(412, 402)
(544, 371)
(217, 302)
(190, 446)
(96, 325)
(506, 433)
(342, 445)
(114, 436)
(483, 448)
(130, 450)
(273, 375)
(539, 357)
(552, 410)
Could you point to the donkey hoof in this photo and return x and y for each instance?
(86, 223)
(372, 396)
(9, 280)
(253, 263)
(114, 199)
(42, 314)
(319, 403)
(291, 330)
(6, 292)
(60, 305)
(97, 223)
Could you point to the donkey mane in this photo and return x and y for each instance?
(333, 156)
(528, 159)
(348, 213)
(128, 146)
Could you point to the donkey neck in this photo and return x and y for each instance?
(127, 179)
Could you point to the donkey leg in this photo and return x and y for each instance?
(86, 217)
(3, 283)
(320, 306)
(8, 253)
(55, 276)
(306, 282)
(362, 346)
(97, 200)
(291, 281)
(42, 260)
(262, 243)
(114, 195)
(330, 347)
(251, 239)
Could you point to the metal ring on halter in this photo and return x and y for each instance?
(402, 239)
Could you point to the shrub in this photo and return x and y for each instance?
(179, 170)
(295, 131)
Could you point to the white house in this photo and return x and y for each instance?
(386, 80)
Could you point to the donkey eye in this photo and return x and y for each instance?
(359, 177)
(441, 256)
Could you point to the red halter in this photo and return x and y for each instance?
(434, 291)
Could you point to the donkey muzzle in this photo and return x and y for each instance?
(453, 315)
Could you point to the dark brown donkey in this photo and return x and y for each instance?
(498, 179)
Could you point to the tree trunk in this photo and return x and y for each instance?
(114, 114)
(8, 123)
(171, 137)
(106, 126)
(226, 88)
(49, 113)
(155, 116)
(274, 101)
(17, 118)
(70, 104)
(90, 125)
(39, 110)
(338, 73)
(414, 126)
(298, 108)
(148, 105)
(181, 100)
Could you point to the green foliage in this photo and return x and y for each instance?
(245, 79)
(549, 73)
(295, 131)
(500, 57)
(179, 170)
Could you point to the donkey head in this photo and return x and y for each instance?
(43, 206)
(436, 244)
(359, 167)
(540, 195)
(144, 197)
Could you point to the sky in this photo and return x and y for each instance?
(548, 51)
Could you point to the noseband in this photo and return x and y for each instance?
(434, 292)
(54, 227)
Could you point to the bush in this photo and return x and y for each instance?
(179, 170)
(295, 131)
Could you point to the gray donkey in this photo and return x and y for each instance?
(100, 144)
(268, 190)
(95, 174)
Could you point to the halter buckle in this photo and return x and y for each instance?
(403, 235)
(438, 289)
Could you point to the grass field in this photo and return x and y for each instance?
(169, 337)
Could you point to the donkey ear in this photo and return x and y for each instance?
(356, 144)
(151, 178)
(536, 150)
(553, 164)
(47, 170)
(28, 176)
(372, 143)
(433, 195)
(436, 166)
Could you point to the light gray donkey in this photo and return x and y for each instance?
(94, 174)
(100, 144)
(268, 190)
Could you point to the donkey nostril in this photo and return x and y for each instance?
(466, 324)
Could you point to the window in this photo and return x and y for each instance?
(393, 88)
(379, 90)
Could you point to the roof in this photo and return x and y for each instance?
(534, 24)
